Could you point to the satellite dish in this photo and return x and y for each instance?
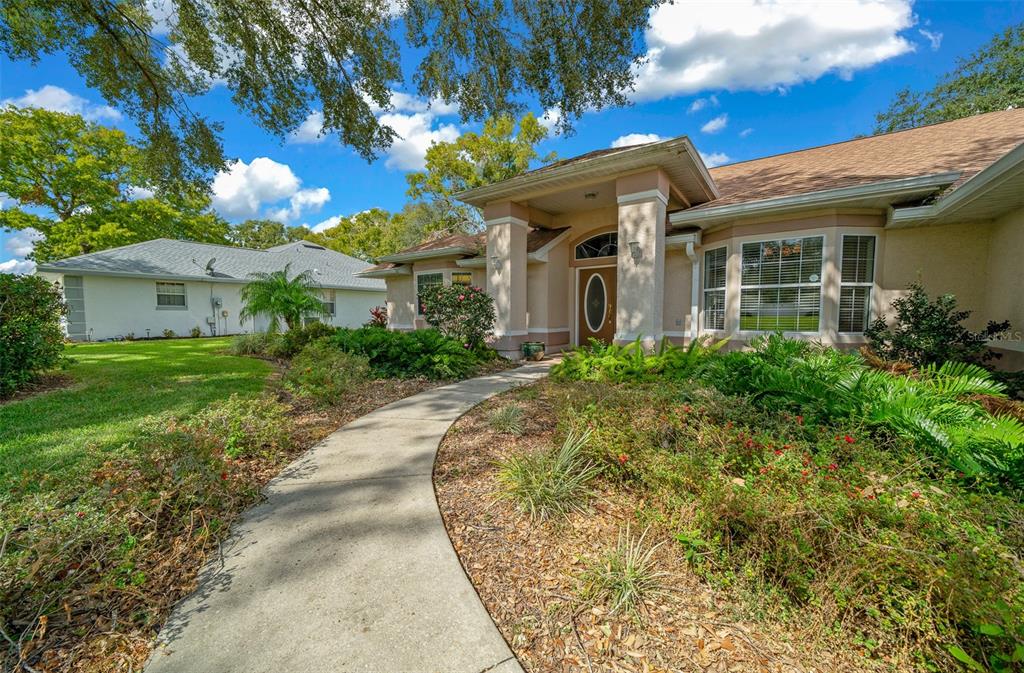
(209, 266)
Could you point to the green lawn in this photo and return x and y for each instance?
(116, 387)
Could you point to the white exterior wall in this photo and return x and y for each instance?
(116, 306)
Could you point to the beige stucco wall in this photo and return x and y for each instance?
(678, 288)
(951, 258)
(401, 302)
(1005, 276)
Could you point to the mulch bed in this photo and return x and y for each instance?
(44, 384)
(526, 574)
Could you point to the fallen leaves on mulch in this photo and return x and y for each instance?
(526, 575)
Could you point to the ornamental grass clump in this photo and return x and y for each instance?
(555, 482)
(626, 578)
(243, 427)
(507, 419)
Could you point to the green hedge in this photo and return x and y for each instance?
(31, 338)
(420, 353)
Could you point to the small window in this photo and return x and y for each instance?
(462, 278)
(714, 288)
(602, 245)
(858, 277)
(780, 285)
(327, 299)
(424, 281)
(170, 295)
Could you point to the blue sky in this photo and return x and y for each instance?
(742, 78)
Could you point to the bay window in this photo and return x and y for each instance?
(780, 285)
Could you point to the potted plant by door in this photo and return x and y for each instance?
(533, 350)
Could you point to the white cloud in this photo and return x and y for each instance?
(54, 98)
(309, 131)
(701, 103)
(243, 189)
(304, 200)
(550, 119)
(716, 124)
(766, 44)
(21, 242)
(636, 139)
(746, 132)
(17, 266)
(324, 225)
(934, 38)
(416, 133)
(136, 193)
(163, 15)
(712, 159)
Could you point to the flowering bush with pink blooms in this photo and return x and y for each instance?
(461, 312)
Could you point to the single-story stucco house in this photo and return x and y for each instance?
(146, 288)
(646, 241)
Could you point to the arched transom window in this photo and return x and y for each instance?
(602, 245)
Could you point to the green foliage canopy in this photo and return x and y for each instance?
(279, 60)
(990, 79)
(94, 186)
(263, 234)
(499, 152)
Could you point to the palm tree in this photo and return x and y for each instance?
(275, 296)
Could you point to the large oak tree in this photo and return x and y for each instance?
(85, 188)
(280, 59)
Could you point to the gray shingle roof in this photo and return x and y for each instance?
(166, 258)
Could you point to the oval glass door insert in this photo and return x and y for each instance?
(595, 301)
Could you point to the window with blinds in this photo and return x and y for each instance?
(714, 288)
(170, 295)
(462, 278)
(780, 285)
(327, 299)
(423, 281)
(857, 279)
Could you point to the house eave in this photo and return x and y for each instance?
(626, 160)
(429, 254)
(882, 190)
(62, 270)
(385, 273)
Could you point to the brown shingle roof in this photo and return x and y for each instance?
(967, 145)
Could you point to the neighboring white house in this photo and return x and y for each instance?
(146, 288)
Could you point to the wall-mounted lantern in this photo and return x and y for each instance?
(635, 252)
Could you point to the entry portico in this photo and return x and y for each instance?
(647, 242)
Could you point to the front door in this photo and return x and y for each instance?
(595, 297)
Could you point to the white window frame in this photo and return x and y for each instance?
(783, 236)
(869, 285)
(328, 299)
(445, 281)
(704, 290)
(171, 307)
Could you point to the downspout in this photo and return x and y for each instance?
(694, 288)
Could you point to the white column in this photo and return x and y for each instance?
(641, 266)
(506, 275)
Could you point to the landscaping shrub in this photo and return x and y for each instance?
(419, 353)
(936, 407)
(294, 340)
(461, 312)
(507, 419)
(243, 426)
(257, 343)
(322, 373)
(626, 577)
(863, 533)
(378, 317)
(927, 332)
(169, 334)
(551, 482)
(31, 338)
(630, 363)
(195, 332)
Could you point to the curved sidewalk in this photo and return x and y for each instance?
(347, 566)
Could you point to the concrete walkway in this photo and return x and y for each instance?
(347, 566)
